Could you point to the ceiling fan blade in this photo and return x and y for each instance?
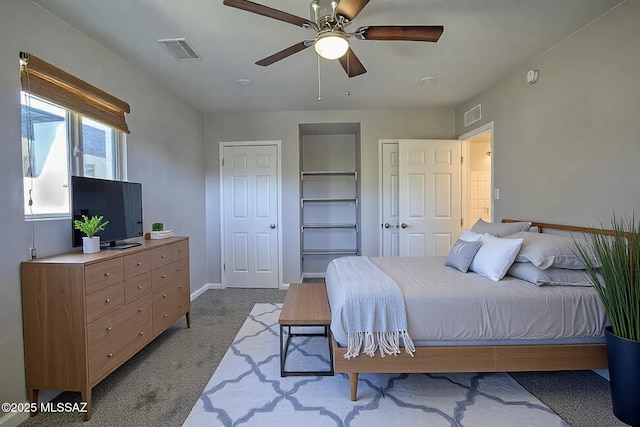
(351, 64)
(267, 11)
(420, 33)
(285, 53)
(350, 8)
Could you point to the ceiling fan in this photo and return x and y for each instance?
(329, 19)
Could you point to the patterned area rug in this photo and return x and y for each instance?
(247, 390)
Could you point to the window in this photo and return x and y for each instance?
(68, 128)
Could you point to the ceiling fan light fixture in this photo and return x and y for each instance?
(331, 44)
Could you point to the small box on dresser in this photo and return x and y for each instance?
(87, 314)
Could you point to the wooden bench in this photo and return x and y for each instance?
(305, 304)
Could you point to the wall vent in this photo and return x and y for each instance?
(473, 115)
(180, 49)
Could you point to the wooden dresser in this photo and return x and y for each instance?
(87, 314)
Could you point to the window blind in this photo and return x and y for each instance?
(42, 79)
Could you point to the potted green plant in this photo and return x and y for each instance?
(90, 226)
(615, 274)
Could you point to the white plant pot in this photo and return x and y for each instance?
(90, 245)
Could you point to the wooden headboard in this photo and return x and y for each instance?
(543, 225)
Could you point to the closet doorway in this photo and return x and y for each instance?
(477, 175)
(420, 183)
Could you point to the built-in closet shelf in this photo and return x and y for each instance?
(329, 173)
(330, 252)
(354, 226)
(329, 197)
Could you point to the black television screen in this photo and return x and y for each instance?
(118, 202)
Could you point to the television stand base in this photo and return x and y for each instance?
(121, 246)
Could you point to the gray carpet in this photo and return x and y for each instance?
(160, 385)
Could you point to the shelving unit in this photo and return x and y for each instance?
(329, 202)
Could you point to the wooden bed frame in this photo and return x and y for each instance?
(485, 358)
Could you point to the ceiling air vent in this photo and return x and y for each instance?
(473, 115)
(180, 49)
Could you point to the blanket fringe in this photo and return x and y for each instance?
(387, 342)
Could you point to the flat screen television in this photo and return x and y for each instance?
(119, 202)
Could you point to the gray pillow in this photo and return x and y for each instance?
(550, 276)
(550, 250)
(499, 229)
(461, 255)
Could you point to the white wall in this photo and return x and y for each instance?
(164, 153)
(566, 149)
(375, 125)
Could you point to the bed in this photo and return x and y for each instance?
(464, 322)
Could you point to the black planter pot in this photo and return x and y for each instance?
(624, 377)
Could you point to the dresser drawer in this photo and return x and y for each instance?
(167, 311)
(104, 301)
(108, 355)
(180, 250)
(171, 288)
(181, 267)
(113, 326)
(137, 287)
(103, 274)
(163, 275)
(161, 256)
(138, 336)
(136, 264)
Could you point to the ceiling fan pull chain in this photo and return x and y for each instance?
(319, 85)
(348, 72)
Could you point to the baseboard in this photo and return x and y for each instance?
(14, 419)
(204, 289)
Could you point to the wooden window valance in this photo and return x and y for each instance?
(42, 79)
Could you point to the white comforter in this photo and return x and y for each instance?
(446, 305)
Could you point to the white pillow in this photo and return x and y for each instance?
(495, 256)
(499, 229)
(470, 236)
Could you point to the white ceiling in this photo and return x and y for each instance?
(483, 41)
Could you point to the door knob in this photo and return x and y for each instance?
(387, 225)
(403, 225)
(272, 226)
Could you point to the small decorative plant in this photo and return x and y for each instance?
(90, 226)
(157, 226)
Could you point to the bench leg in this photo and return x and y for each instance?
(353, 385)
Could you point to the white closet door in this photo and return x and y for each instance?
(250, 214)
(429, 196)
(390, 200)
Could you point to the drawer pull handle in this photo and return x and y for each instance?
(164, 256)
(166, 315)
(164, 296)
(108, 300)
(141, 333)
(109, 328)
(139, 264)
(139, 310)
(181, 286)
(164, 276)
(180, 305)
(110, 355)
(139, 286)
(107, 274)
